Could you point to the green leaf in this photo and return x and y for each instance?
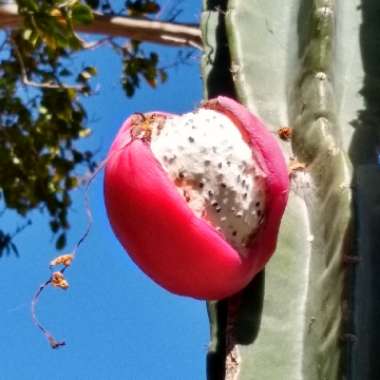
(27, 33)
(43, 110)
(87, 73)
(141, 7)
(72, 183)
(153, 58)
(54, 226)
(82, 14)
(61, 241)
(91, 70)
(65, 72)
(94, 4)
(85, 132)
(28, 5)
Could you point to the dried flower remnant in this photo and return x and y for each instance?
(285, 133)
(295, 166)
(58, 280)
(64, 260)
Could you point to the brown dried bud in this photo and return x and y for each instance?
(65, 260)
(58, 280)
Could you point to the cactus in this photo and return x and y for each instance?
(308, 65)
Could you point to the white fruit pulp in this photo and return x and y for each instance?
(214, 169)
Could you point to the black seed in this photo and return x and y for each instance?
(223, 185)
(181, 175)
(229, 163)
(207, 162)
(186, 195)
(220, 165)
(201, 185)
(234, 233)
(210, 193)
(243, 182)
(215, 204)
(218, 209)
(257, 204)
(191, 139)
(259, 212)
(245, 195)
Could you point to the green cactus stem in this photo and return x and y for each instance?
(308, 65)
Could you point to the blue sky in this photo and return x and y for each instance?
(117, 323)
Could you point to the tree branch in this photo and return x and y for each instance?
(165, 33)
(25, 80)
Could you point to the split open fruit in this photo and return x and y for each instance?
(197, 199)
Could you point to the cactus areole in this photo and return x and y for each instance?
(197, 199)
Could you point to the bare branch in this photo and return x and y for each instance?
(140, 29)
(57, 279)
(27, 82)
(92, 45)
(52, 341)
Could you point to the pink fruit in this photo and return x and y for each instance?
(197, 200)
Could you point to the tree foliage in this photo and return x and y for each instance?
(41, 114)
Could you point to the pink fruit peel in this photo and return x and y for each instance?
(184, 251)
